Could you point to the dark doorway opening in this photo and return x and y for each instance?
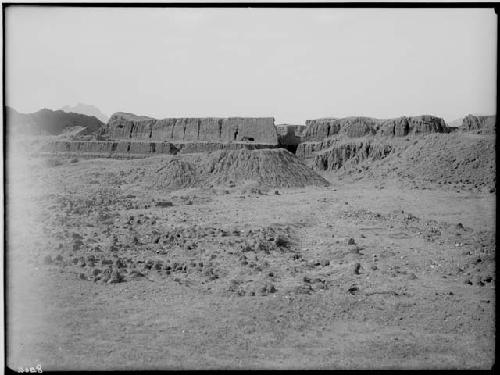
(290, 148)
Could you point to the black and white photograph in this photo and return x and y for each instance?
(249, 186)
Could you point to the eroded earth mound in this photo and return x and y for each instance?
(266, 168)
(459, 160)
(272, 167)
(173, 173)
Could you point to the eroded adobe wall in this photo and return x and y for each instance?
(479, 124)
(354, 127)
(109, 148)
(122, 148)
(233, 129)
(426, 124)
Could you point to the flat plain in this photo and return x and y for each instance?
(109, 270)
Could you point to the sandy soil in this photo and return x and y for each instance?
(237, 279)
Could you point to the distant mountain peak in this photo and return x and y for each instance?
(86, 109)
(47, 121)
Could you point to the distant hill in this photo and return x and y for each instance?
(46, 121)
(86, 109)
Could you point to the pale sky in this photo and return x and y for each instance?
(293, 64)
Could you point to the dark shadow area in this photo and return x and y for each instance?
(290, 148)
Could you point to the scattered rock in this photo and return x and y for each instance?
(357, 267)
(120, 263)
(115, 277)
(351, 241)
(303, 289)
(149, 264)
(164, 204)
(96, 271)
(137, 273)
(478, 280)
(106, 275)
(47, 259)
(269, 288)
(353, 289)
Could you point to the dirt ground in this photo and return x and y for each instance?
(371, 274)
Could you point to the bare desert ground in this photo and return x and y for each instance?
(110, 269)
